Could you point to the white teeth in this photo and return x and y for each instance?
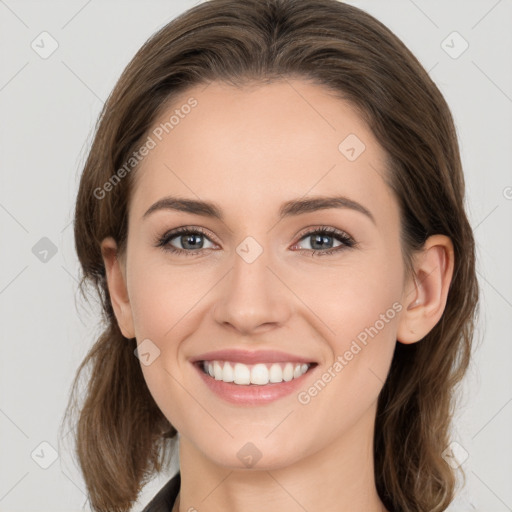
(217, 371)
(276, 373)
(242, 374)
(288, 372)
(227, 373)
(259, 374)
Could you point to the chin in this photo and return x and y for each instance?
(259, 454)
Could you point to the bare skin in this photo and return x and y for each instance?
(249, 150)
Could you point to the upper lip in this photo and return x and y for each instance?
(250, 356)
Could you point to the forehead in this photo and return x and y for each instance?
(255, 145)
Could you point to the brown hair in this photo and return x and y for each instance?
(122, 437)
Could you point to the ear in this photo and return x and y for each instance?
(116, 281)
(426, 291)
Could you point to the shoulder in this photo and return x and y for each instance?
(164, 499)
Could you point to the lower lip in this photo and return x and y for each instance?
(252, 394)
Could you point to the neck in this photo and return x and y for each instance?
(339, 477)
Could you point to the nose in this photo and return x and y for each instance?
(252, 297)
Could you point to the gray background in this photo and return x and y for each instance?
(48, 108)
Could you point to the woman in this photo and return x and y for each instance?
(272, 212)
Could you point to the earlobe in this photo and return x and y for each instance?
(426, 292)
(116, 281)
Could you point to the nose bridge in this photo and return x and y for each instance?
(251, 295)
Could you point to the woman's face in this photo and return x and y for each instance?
(254, 280)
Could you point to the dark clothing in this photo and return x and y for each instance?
(164, 499)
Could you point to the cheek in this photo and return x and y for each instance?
(162, 295)
(368, 298)
(348, 299)
(164, 301)
(361, 305)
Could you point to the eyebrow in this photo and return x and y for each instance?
(287, 209)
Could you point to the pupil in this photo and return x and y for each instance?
(189, 239)
(322, 240)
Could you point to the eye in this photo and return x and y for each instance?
(191, 241)
(321, 241)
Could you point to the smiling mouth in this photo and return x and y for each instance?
(259, 374)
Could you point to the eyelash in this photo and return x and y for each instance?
(347, 241)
